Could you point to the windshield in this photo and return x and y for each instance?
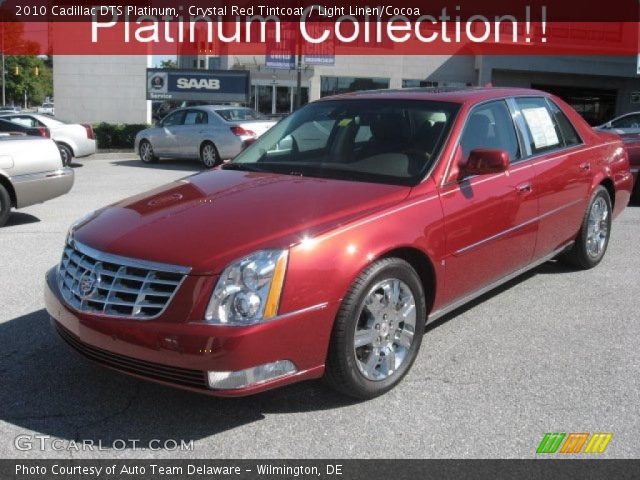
(239, 114)
(384, 141)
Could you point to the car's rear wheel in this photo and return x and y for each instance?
(5, 205)
(593, 238)
(66, 154)
(378, 330)
(209, 155)
(146, 152)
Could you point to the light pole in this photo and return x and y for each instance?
(4, 73)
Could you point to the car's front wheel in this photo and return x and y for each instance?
(5, 205)
(593, 238)
(378, 330)
(145, 151)
(209, 155)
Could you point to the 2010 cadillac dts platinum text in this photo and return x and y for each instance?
(324, 248)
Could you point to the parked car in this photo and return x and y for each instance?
(324, 247)
(31, 172)
(73, 139)
(46, 109)
(628, 123)
(10, 109)
(632, 145)
(210, 133)
(7, 126)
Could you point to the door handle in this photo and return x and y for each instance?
(585, 167)
(524, 188)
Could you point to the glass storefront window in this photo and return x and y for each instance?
(264, 95)
(337, 85)
(410, 83)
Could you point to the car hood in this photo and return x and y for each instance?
(208, 220)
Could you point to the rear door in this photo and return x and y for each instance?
(563, 171)
(190, 135)
(490, 220)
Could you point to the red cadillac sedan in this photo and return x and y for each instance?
(325, 247)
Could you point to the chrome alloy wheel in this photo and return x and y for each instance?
(146, 152)
(385, 329)
(597, 228)
(209, 156)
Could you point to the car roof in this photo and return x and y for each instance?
(462, 95)
(210, 107)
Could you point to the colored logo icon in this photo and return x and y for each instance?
(574, 443)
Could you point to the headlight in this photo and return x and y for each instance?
(248, 290)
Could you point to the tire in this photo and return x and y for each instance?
(593, 238)
(5, 205)
(145, 150)
(367, 369)
(66, 154)
(209, 155)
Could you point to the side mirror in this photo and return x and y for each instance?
(483, 161)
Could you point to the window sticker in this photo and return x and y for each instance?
(541, 126)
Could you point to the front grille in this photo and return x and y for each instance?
(96, 282)
(155, 371)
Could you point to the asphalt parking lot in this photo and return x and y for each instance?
(553, 351)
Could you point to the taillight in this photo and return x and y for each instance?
(241, 132)
(89, 130)
(44, 132)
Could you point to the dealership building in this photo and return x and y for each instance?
(113, 88)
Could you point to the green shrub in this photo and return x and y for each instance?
(116, 136)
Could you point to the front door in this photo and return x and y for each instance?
(490, 220)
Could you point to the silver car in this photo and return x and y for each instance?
(31, 172)
(624, 124)
(210, 133)
(73, 139)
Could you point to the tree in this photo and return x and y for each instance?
(168, 64)
(28, 74)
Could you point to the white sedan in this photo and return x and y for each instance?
(211, 133)
(73, 139)
(31, 172)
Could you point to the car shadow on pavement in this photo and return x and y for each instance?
(50, 389)
(551, 267)
(178, 165)
(20, 218)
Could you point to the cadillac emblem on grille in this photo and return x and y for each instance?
(88, 282)
(98, 282)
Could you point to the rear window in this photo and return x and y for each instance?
(239, 114)
(544, 133)
(569, 134)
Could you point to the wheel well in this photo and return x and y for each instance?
(73, 154)
(423, 267)
(12, 193)
(608, 184)
(206, 142)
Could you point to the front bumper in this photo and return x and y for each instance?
(178, 353)
(40, 187)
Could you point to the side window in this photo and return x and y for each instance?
(628, 121)
(544, 132)
(25, 121)
(195, 117)
(490, 126)
(173, 119)
(568, 131)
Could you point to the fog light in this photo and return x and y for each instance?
(250, 376)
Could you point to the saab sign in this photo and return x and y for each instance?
(204, 85)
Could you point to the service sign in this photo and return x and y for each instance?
(205, 85)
